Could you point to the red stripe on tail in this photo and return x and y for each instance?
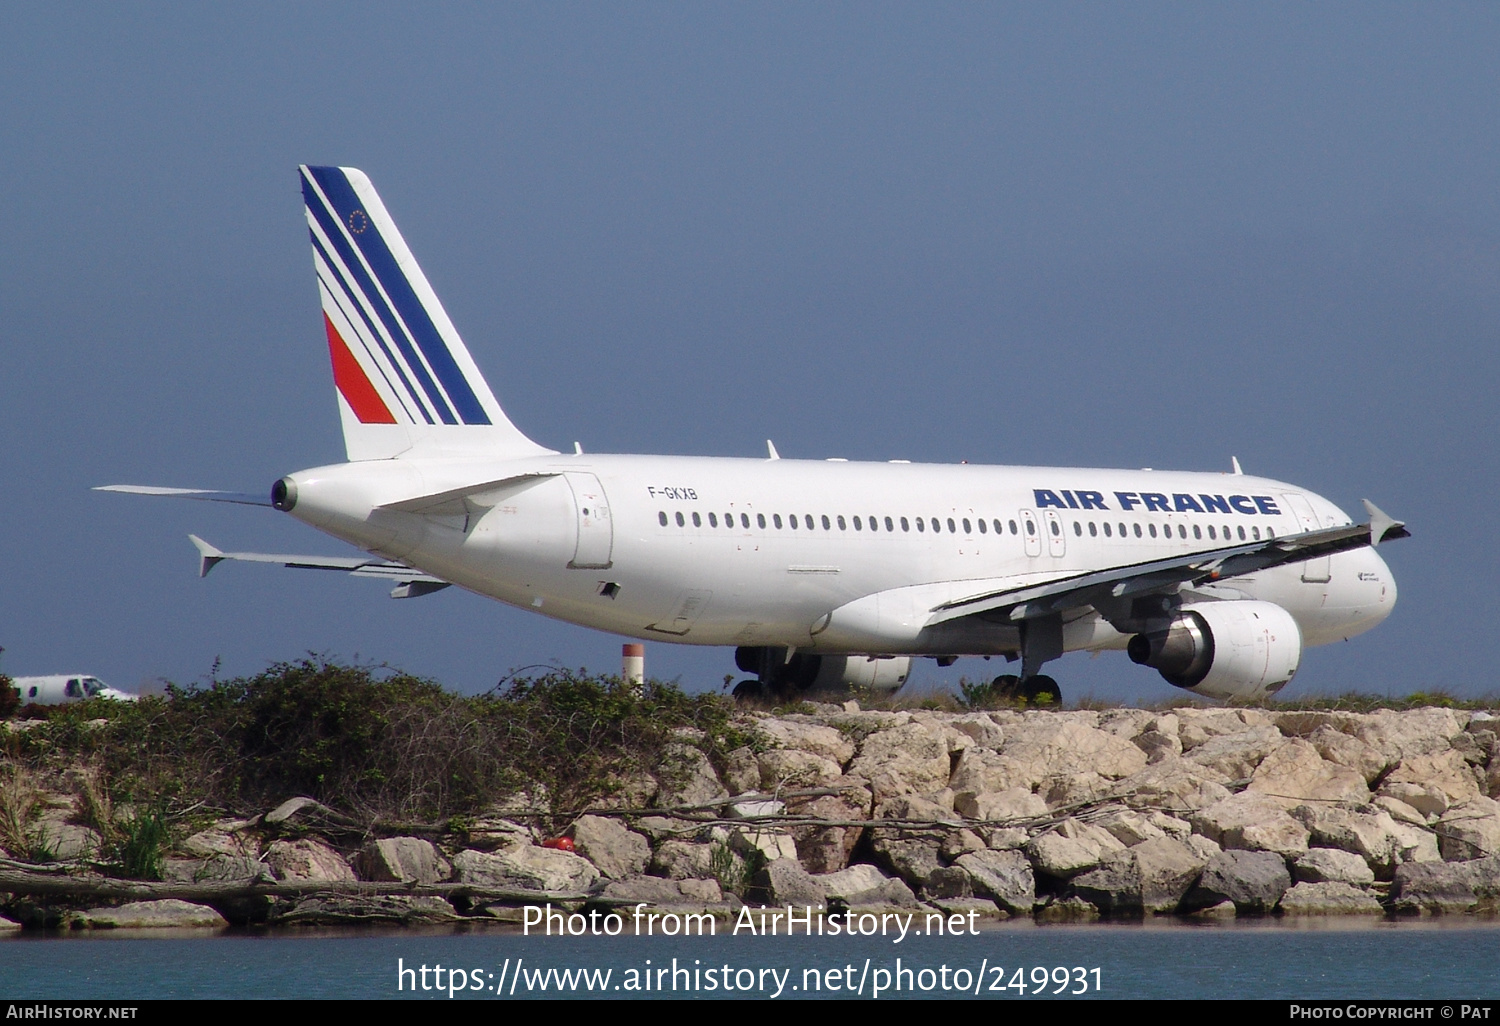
(352, 383)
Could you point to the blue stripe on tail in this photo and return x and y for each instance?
(423, 331)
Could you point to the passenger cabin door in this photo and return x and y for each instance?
(1314, 571)
(596, 532)
(1031, 532)
(1057, 542)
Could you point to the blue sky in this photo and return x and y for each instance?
(1110, 235)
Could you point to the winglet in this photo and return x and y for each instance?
(208, 556)
(771, 453)
(1234, 461)
(1383, 527)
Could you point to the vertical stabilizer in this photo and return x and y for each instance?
(405, 381)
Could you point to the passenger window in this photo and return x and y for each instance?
(842, 525)
(1122, 530)
(1255, 533)
(857, 523)
(982, 528)
(729, 521)
(889, 524)
(1197, 531)
(952, 527)
(697, 520)
(1077, 529)
(874, 524)
(32, 692)
(1182, 530)
(937, 527)
(1138, 530)
(826, 525)
(776, 519)
(680, 521)
(905, 524)
(1242, 534)
(968, 528)
(1030, 527)
(1056, 530)
(1211, 534)
(1152, 529)
(921, 524)
(745, 521)
(792, 521)
(1093, 529)
(1013, 528)
(1106, 529)
(808, 520)
(661, 518)
(760, 519)
(1270, 533)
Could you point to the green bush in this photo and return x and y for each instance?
(378, 744)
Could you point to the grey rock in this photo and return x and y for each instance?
(1470, 831)
(1151, 877)
(616, 851)
(1254, 822)
(307, 859)
(1330, 865)
(1004, 877)
(741, 771)
(864, 886)
(651, 889)
(913, 859)
(167, 913)
(403, 860)
(967, 909)
(526, 868)
(1253, 880)
(1070, 848)
(785, 882)
(349, 909)
(683, 860)
(219, 869)
(947, 882)
(687, 778)
(1330, 898)
(1439, 887)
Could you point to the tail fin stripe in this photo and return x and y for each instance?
(355, 279)
(373, 361)
(352, 383)
(340, 197)
(346, 300)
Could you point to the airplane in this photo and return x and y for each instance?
(822, 574)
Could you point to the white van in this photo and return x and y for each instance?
(61, 688)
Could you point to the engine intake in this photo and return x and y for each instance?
(1243, 649)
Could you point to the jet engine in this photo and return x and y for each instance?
(831, 673)
(1242, 649)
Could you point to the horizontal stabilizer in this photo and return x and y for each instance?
(410, 582)
(451, 500)
(201, 494)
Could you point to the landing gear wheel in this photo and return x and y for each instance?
(749, 690)
(1007, 686)
(1042, 690)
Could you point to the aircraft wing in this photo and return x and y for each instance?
(202, 494)
(410, 582)
(1028, 602)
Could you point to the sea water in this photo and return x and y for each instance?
(1445, 959)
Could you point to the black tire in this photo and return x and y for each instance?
(749, 691)
(1007, 686)
(1042, 690)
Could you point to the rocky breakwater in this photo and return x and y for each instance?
(1058, 815)
(1125, 813)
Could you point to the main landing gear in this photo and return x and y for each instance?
(1038, 689)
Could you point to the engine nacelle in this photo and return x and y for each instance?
(808, 672)
(1241, 649)
(866, 673)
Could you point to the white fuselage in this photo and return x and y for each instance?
(704, 551)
